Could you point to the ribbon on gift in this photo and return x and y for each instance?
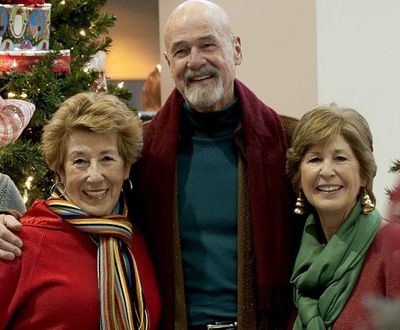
(14, 117)
(22, 2)
(22, 61)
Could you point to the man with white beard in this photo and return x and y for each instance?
(210, 189)
(211, 185)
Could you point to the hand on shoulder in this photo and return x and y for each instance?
(10, 244)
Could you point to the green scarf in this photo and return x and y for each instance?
(324, 274)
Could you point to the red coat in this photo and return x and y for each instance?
(264, 140)
(54, 284)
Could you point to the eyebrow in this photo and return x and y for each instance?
(182, 43)
(177, 45)
(311, 151)
(82, 153)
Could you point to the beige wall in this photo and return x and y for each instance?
(358, 67)
(279, 50)
(135, 48)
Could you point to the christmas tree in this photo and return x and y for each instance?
(81, 27)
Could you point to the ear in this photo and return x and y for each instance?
(127, 170)
(238, 50)
(363, 182)
(61, 176)
(167, 58)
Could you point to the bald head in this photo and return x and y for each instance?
(200, 10)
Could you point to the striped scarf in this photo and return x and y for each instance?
(122, 302)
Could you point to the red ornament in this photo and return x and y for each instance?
(22, 2)
(22, 61)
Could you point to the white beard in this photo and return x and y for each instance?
(203, 95)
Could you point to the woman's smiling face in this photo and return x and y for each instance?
(330, 178)
(93, 171)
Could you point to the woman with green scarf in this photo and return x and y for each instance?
(348, 253)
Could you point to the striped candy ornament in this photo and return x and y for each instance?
(14, 117)
(122, 302)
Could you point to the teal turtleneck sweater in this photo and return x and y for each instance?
(207, 208)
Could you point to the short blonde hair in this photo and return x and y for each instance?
(323, 124)
(100, 113)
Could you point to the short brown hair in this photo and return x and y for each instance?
(323, 124)
(100, 113)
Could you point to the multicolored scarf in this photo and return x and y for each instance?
(122, 304)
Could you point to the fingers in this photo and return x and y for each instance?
(6, 255)
(10, 244)
(11, 223)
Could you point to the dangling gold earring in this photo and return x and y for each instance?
(299, 206)
(367, 205)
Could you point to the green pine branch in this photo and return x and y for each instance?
(83, 28)
(394, 168)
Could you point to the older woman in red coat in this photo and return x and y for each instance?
(84, 265)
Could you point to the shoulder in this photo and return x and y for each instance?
(42, 230)
(146, 125)
(10, 198)
(258, 116)
(386, 245)
(8, 186)
(39, 215)
(289, 124)
(5, 181)
(388, 235)
(387, 251)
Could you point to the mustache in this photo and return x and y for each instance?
(204, 71)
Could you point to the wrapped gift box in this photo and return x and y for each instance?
(23, 2)
(24, 27)
(22, 61)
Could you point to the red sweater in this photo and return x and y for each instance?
(379, 277)
(54, 284)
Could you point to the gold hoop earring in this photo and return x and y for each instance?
(58, 189)
(299, 206)
(366, 203)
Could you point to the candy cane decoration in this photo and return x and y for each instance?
(14, 117)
